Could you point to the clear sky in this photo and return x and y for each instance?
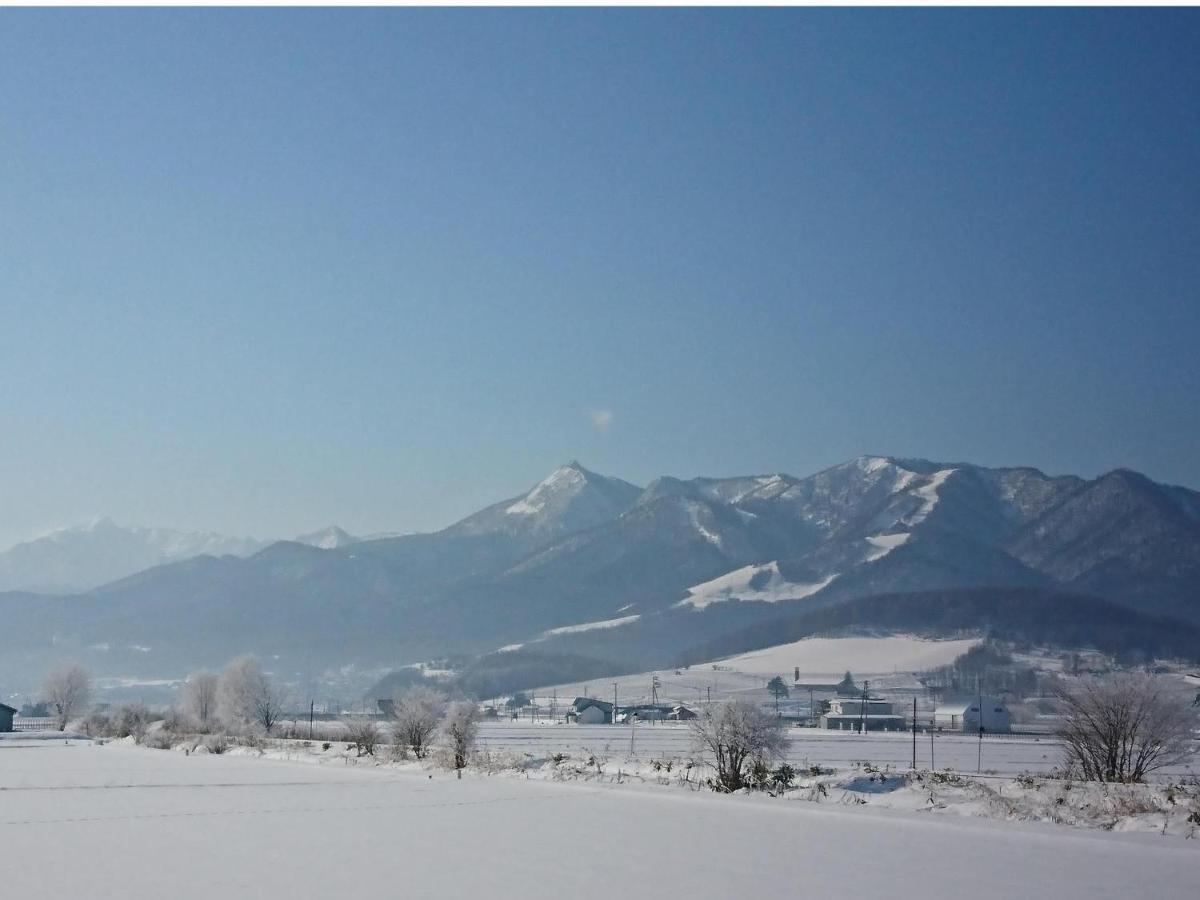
(265, 270)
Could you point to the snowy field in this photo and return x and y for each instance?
(123, 821)
(828, 658)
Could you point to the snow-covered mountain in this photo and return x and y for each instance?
(666, 567)
(331, 538)
(79, 558)
(569, 499)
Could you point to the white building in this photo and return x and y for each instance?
(963, 715)
(871, 714)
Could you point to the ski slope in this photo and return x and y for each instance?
(139, 824)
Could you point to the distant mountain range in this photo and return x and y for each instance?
(584, 564)
(79, 558)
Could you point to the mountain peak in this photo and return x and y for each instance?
(568, 479)
(328, 538)
(569, 499)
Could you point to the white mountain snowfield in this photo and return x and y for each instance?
(591, 626)
(823, 659)
(122, 821)
(885, 544)
(582, 627)
(737, 585)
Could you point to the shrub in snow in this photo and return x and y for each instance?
(177, 722)
(130, 720)
(460, 727)
(216, 743)
(158, 740)
(417, 712)
(252, 739)
(97, 724)
(736, 734)
(363, 735)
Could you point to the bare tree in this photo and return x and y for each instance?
(460, 727)
(417, 712)
(1125, 727)
(246, 696)
(737, 734)
(66, 691)
(200, 698)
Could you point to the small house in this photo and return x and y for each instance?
(6, 717)
(680, 714)
(586, 711)
(964, 715)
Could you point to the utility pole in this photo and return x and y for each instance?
(862, 712)
(914, 765)
(311, 708)
(614, 711)
(979, 753)
(932, 765)
(812, 713)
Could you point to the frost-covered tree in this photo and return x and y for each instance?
(417, 712)
(460, 728)
(736, 734)
(246, 696)
(1124, 727)
(200, 698)
(66, 691)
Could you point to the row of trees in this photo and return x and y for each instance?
(242, 695)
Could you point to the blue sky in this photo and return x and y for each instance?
(265, 270)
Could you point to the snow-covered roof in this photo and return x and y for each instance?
(582, 703)
(957, 707)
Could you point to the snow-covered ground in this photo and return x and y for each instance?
(829, 658)
(109, 821)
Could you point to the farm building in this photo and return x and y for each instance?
(6, 717)
(963, 715)
(587, 711)
(872, 714)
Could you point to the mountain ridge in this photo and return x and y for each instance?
(579, 547)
